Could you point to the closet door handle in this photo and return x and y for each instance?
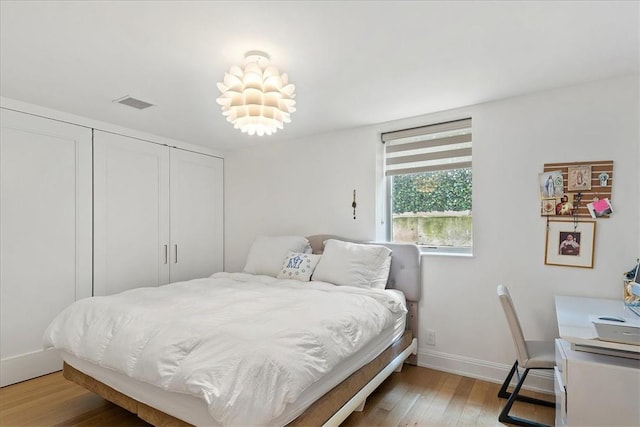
(175, 249)
(166, 254)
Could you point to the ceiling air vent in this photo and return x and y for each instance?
(133, 102)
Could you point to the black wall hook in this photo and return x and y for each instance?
(354, 204)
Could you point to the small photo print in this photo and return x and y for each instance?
(548, 207)
(551, 184)
(579, 178)
(569, 243)
(564, 205)
(600, 208)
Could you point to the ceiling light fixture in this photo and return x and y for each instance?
(258, 99)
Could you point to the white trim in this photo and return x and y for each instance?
(29, 365)
(24, 107)
(446, 251)
(84, 217)
(537, 380)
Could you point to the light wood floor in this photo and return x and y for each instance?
(414, 397)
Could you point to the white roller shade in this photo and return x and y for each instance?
(431, 148)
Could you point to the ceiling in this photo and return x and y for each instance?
(354, 63)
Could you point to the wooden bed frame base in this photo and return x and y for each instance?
(145, 412)
(316, 415)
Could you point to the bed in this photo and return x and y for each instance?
(144, 349)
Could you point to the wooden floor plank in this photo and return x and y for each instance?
(472, 405)
(413, 397)
(429, 382)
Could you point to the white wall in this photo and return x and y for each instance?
(305, 186)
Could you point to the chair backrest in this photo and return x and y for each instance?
(514, 325)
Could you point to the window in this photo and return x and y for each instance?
(428, 172)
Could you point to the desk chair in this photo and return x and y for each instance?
(530, 355)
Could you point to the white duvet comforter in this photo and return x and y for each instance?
(248, 345)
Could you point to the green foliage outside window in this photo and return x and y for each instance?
(438, 191)
(433, 209)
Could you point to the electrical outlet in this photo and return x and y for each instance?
(431, 337)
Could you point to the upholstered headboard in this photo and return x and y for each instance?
(405, 264)
(404, 275)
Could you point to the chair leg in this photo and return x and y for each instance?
(503, 393)
(503, 390)
(504, 416)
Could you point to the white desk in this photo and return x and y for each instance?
(575, 327)
(594, 389)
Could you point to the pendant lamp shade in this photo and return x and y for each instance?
(257, 99)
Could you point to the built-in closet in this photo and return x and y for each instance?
(45, 235)
(158, 214)
(88, 212)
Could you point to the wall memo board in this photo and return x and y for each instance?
(597, 191)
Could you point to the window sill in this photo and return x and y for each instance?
(446, 252)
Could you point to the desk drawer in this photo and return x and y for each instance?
(561, 359)
(560, 392)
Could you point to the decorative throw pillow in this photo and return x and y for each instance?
(266, 253)
(298, 266)
(353, 264)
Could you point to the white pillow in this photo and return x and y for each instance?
(266, 253)
(380, 279)
(298, 266)
(353, 264)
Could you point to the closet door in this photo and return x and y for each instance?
(196, 215)
(131, 213)
(45, 235)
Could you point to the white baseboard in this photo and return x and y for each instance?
(537, 380)
(30, 365)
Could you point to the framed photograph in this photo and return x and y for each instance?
(579, 178)
(569, 244)
(551, 184)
